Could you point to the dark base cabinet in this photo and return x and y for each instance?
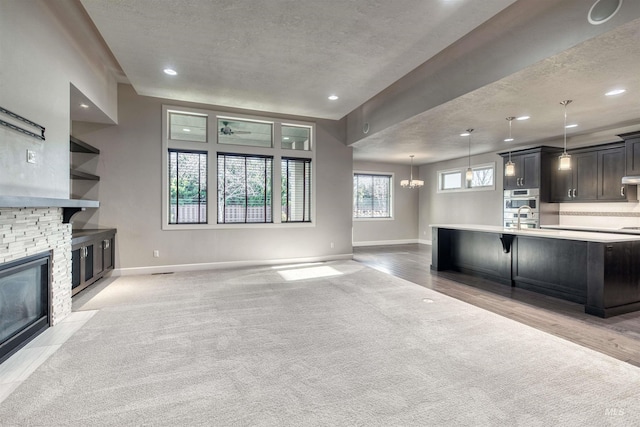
(551, 266)
(605, 277)
(92, 255)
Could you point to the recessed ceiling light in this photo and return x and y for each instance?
(615, 92)
(465, 134)
(333, 97)
(523, 118)
(83, 105)
(186, 129)
(285, 138)
(571, 126)
(508, 139)
(170, 72)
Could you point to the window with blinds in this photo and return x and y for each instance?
(187, 187)
(371, 196)
(296, 190)
(244, 188)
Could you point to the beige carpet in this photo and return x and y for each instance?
(334, 344)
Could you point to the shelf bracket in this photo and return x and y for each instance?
(68, 213)
(507, 241)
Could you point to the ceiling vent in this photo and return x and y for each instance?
(603, 10)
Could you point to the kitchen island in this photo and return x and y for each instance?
(599, 270)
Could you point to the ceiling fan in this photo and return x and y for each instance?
(226, 130)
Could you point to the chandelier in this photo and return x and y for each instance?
(411, 183)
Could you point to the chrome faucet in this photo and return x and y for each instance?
(519, 209)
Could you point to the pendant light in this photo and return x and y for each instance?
(411, 183)
(510, 167)
(565, 159)
(469, 174)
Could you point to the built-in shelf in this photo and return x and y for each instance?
(76, 174)
(78, 146)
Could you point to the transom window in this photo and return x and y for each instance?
(245, 132)
(372, 195)
(455, 179)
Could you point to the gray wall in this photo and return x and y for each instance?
(403, 228)
(39, 62)
(130, 194)
(465, 207)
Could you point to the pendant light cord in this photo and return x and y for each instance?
(565, 103)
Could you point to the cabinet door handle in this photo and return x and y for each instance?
(105, 244)
(569, 193)
(574, 192)
(622, 191)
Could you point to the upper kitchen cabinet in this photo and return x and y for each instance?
(595, 176)
(579, 183)
(611, 169)
(531, 169)
(632, 144)
(527, 171)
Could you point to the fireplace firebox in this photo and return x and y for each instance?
(24, 301)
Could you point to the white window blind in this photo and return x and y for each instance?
(296, 190)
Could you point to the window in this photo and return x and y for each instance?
(187, 187)
(482, 176)
(451, 180)
(455, 179)
(188, 127)
(371, 196)
(244, 188)
(296, 137)
(259, 168)
(296, 190)
(244, 132)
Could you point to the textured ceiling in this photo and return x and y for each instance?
(284, 56)
(287, 56)
(583, 74)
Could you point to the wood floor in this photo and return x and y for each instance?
(617, 336)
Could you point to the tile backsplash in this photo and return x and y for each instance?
(601, 215)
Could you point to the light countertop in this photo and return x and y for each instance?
(586, 236)
(593, 229)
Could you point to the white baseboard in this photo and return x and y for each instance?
(160, 269)
(385, 242)
(424, 242)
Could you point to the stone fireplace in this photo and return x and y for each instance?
(26, 234)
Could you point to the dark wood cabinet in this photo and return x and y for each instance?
(611, 169)
(92, 256)
(527, 171)
(596, 175)
(632, 148)
(533, 169)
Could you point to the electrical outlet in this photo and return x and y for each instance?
(332, 245)
(31, 156)
(156, 253)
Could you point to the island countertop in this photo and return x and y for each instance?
(596, 269)
(584, 236)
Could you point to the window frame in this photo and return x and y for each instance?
(207, 213)
(306, 185)
(463, 170)
(392, 184)
(212, 148)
